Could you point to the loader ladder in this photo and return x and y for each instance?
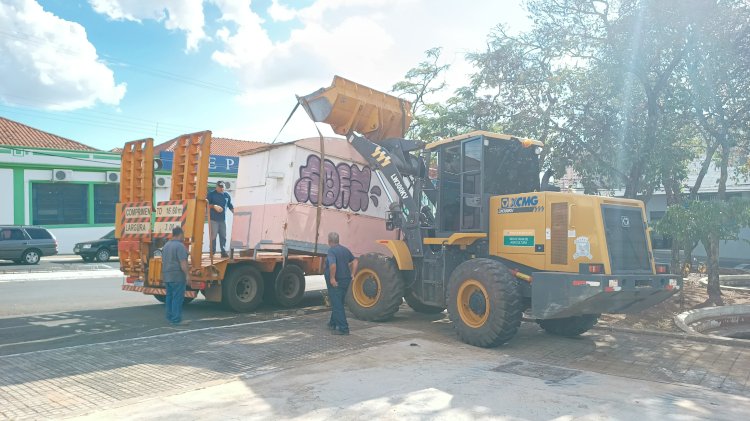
(136, 191)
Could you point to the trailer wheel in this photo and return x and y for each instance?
(289, 286)
(242, 289)
(163, 299)
(419, 306)
(484, 303)
(569, 326)
(376, 289)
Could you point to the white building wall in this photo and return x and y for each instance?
(6, 186)
(95, 172)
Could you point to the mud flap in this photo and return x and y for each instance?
(556, 295)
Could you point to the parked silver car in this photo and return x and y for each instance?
(26, 244)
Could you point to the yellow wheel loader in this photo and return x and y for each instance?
(483, 235)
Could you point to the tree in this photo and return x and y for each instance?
(419, 83)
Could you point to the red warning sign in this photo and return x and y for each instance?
(169, 214)
(135, 220)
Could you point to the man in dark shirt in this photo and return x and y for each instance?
(174, 271)
(219, 201)
(339, 267)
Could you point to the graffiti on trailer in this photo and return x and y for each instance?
(344, 186)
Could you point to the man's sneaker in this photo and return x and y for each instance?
(181, 323)
(338, 332)
(224, 254)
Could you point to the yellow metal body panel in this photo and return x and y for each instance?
(400, 252)
(461, 239)
(526, 142)
(555, 221)
(350, 107)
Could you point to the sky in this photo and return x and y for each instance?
(104, 72)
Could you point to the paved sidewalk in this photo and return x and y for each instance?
(58, 263)
(77, 380)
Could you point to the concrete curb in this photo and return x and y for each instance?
(722, 278)
(64, 267)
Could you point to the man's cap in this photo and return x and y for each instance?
(219, 184)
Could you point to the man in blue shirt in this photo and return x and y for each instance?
(174, 272)
(219, 201)
(339, 267)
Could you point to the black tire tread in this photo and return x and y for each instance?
(392, 289)
(284, 301)
(569, 326)
(228, 284)
(506, 304)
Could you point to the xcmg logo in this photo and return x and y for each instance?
(519, 202)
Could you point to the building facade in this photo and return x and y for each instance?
(71, 189)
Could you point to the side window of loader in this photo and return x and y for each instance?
(471, 187)
(450, 188)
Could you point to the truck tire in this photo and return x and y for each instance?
(163, 299)
(242, 289)
(376, 289)
(419, 306)
(569, 326)
(289, 286)
(484, 303)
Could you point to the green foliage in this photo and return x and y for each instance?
(696, 220)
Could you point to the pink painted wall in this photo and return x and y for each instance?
(293, 221)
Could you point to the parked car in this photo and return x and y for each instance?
(100, 250)
(26, 244)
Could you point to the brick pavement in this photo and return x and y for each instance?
(56, 383)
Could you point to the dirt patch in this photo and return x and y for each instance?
(661, 316)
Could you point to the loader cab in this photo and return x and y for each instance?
(467, 170)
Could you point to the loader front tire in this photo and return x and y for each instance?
(376, 289)
(569, 326)
(484, 303)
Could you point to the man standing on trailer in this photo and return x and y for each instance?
(339, 267)
(174, 273)
(219, 201)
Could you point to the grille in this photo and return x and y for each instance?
(626, 239)
(559, 233)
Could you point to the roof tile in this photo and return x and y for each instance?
(219, 146)
(13, 133)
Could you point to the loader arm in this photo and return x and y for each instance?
(374, 123)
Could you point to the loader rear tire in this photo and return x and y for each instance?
(419, 306)
(242, 289)
(569, 326)
(484, 303)
(377, 288)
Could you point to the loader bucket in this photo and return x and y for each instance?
(350, 107)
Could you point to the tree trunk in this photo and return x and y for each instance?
(712, 264)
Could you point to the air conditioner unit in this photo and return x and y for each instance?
(112, 177)
(62, 175)
(162, 182)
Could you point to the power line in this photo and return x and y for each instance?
(42, 102)
(125, 64)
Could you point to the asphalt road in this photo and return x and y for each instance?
(49, 310)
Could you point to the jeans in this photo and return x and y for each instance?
(175, 298)
(338, 315)
(218, 228)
